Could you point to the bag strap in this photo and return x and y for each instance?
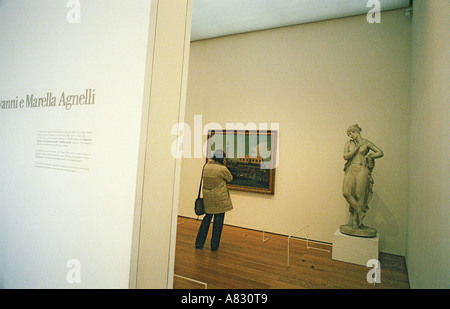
(201, 179)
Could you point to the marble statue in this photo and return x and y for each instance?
(360, 155)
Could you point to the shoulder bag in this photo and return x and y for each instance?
(199, 207)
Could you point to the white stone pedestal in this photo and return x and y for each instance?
(356, 250)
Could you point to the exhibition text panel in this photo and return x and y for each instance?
(63, 150)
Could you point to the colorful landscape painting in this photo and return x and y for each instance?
(251, 158)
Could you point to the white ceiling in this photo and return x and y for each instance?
(215, 18)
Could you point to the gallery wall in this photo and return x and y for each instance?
(68, 181)
(158, 217)
(75, 94)
(311, 81)
(428, 210)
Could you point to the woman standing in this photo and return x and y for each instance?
(216, 199)
(357, 186)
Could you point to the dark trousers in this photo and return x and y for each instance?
(216, 232)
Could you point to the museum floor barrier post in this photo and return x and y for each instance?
(259, 227)
(192, 280)
(264, 239)
(307, 241)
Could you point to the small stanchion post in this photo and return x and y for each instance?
(189, 279)
(307, 242)
(263, 235)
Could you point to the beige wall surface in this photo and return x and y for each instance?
(427, 253)
(314, 81)
(109, 221)
(66, 219)
(158, 216)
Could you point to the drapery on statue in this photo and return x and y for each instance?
(360, 155)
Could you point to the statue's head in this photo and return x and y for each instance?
(354, 128)
(353, 131)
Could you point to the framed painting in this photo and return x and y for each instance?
(251, 157)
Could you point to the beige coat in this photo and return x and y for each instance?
(215, 193)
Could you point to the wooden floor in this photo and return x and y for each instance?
(244, 261)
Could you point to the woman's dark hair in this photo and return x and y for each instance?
(219, 156)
